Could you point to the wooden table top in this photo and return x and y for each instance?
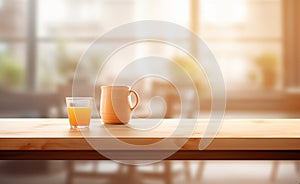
(236, 138)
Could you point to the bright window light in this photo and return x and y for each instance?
(224, 12)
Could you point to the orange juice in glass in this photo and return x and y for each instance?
(79, 111)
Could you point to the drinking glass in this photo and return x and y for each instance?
(79, 111)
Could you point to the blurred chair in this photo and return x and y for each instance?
(166, 172)
(89, 170)
(275, 168)
(170, 94)
(173, 96)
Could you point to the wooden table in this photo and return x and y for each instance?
(268, 139)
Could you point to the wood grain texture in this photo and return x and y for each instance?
(278, 136)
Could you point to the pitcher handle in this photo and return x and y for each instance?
(136, 97)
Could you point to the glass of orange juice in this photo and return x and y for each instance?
(79, 111)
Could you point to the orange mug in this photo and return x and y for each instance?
(115, 104)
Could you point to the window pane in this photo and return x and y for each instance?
(71, 25)
(241, 18)
(78, 18)
(246, 38)
(13, 18)
(56, 63)
(176, 11)
(12, 66)
(243, 66)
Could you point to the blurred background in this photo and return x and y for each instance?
(256, 44)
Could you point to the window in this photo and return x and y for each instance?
(254, 41)
(246, 41)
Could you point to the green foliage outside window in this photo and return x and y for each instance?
(11, 72)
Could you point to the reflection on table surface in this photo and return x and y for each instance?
(211, 172)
